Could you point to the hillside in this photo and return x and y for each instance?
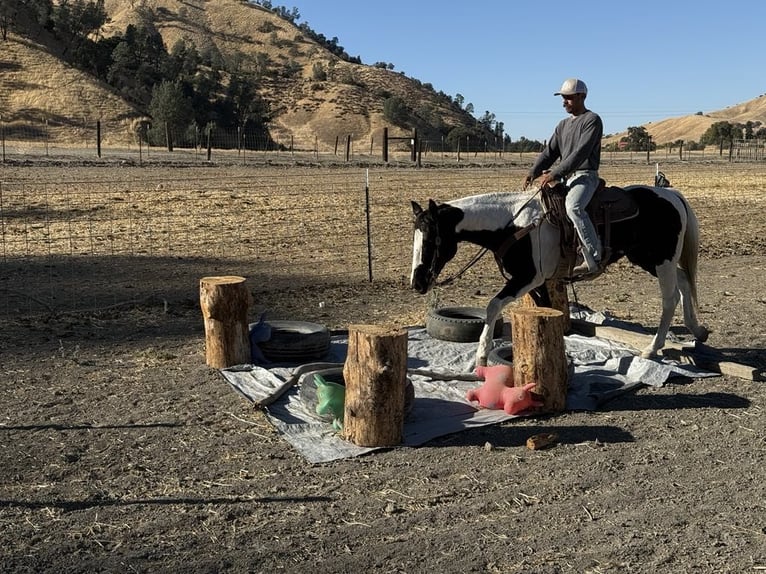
(35, 84)
(350, 101)
(691, 127)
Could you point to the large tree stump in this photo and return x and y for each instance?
(557, 291)
(375, 374)
(225, 302)
(538, 354)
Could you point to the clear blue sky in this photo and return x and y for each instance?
(643, 61)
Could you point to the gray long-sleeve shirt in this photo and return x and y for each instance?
(576, 141)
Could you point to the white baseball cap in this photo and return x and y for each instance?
(572, 86)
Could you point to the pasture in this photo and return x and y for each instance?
(120, 451)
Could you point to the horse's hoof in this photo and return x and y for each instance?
(702, 334)
(648, 354)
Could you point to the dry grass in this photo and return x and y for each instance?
(153, 232)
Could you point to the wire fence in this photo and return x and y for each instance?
(78, 235)
(129, 234)
(72, 139)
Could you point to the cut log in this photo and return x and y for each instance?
(542, 440)
(375, 373)
(715, 364)
(225, 302)
(701, 356)
(538, 354)
(557, 292)
(633, 339)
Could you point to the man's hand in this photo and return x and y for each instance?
(527, 180)
(547, 180)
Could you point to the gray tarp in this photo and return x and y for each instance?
(602, 369)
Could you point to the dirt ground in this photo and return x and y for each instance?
(120, 451)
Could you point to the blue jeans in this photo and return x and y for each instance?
(582, 186)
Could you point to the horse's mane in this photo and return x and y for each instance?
(500, 207)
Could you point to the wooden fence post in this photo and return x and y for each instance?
(375, 373)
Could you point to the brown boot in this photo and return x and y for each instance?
(585, 269)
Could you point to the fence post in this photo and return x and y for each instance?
(2, 135)
(414, 152)
(385, 145)
(348, 147)
(98, 138)
(209, 141)
(367, 215)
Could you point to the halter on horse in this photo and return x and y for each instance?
(663, 239)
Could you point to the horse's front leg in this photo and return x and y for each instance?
(494, 309)
(666, 274)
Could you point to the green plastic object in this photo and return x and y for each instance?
(331, 398)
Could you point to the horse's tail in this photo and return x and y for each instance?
(690, 250)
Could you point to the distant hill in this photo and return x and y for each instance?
(691, 127)
(36, 84)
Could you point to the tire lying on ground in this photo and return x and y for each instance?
(500, 356)
(295, 342)
(459, 324)
(308, 390)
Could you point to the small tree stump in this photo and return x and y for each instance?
(557, 292)
(538, 354)
(225, 302)
(375, 373)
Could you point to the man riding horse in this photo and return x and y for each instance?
(576, 141)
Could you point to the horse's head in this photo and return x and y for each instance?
(435, 242)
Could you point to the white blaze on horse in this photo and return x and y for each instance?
(661, 236)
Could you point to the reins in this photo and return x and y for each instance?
(515, 238)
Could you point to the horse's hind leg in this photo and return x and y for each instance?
(666, 274)
(689, 306)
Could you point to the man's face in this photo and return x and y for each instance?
(574, 104)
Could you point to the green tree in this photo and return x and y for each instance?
(395, 110)
(487, 121)
(638, 139)
(721, 132)
(245, 105)
(139, 61)
(170, 111)
(74, 21)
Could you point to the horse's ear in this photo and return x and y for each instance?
(416, 209)
(432, 205)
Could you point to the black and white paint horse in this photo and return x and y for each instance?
(662, 239)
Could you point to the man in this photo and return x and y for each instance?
(576, 142)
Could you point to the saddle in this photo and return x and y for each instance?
(609, 205)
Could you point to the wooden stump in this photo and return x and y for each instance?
(538, 354)
(375, 373)
(557, 291)
(225, 302)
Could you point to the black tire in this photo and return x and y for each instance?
(459, 324)
(308, 390)
(500, 356)
(295, 342)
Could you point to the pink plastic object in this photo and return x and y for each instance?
(498, 391)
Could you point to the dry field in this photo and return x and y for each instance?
(120, 451)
